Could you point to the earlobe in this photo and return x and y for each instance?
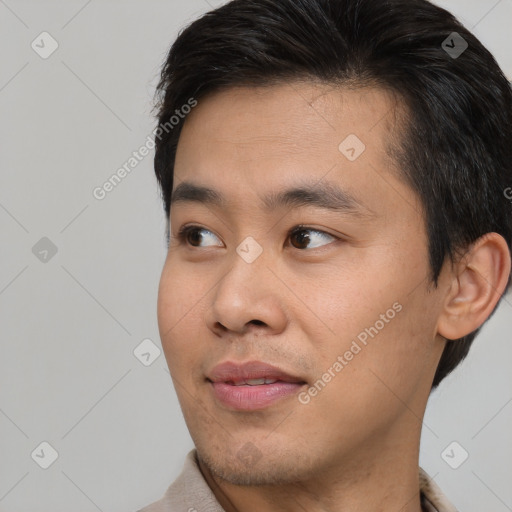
(479, 280)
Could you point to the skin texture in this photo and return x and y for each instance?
(300, 305)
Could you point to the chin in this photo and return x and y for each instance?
(250, 466)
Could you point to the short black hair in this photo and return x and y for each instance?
(456, 150)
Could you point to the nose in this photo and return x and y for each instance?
(246, 299)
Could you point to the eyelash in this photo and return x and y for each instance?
(185, 230)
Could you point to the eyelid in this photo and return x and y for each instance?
(305, 227)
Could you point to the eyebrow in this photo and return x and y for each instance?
(323, 195)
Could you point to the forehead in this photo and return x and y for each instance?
(254, 140)
(293, 116)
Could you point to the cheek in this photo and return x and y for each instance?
(374, 380)
(180, 313)
(349, 301)
(381, 319)
(168, 298)
(398, 355)
(180, 289)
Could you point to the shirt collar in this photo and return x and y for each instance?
(432, 498)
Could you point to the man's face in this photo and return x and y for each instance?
(338, 300)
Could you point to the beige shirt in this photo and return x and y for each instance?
(191, 493)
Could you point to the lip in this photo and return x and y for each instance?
(224, 377)
(230, 371)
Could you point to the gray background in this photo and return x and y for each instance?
(70, 324)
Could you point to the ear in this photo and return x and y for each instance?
(478, 280)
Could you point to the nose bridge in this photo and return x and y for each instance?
(246, 292)
(246, 274)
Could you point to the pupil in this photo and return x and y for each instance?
(195, 236)
(302, 237)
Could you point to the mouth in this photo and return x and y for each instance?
(252, 382)
(253, 385)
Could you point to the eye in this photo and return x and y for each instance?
(297, 234)
(192, 235)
